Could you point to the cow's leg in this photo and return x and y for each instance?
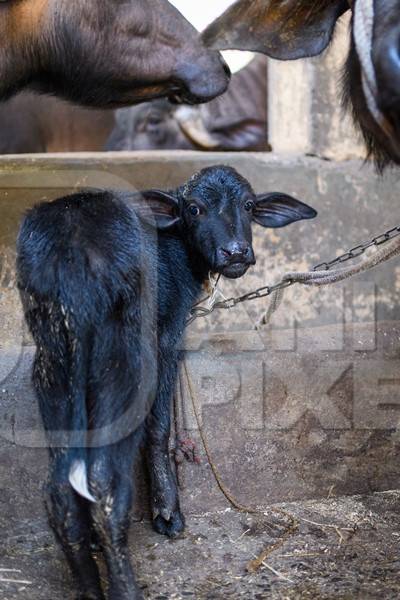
(70, 520)
(164, 498)
(111, 481)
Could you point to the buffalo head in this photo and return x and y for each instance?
(106, 53)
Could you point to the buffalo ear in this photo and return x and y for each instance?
(282, 29)
(279, 210)
(159, 207)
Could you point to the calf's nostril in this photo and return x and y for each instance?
(235, 252)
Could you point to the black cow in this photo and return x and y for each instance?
(107, 282)
(290, 29)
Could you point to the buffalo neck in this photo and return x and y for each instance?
(183, 267)
(199, 267)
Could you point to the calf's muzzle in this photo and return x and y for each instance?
(234, 258)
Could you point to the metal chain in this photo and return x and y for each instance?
(360, 249)
(262, 292)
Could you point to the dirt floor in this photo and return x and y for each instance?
(344, 548)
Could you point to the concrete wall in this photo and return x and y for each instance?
(305, 114)
(300, 408)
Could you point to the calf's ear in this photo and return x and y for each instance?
(283, 29)
(278, 210)
(158, 207)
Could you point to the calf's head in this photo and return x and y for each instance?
(215, 211)
(106, 53)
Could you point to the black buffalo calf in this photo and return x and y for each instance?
(107, 280)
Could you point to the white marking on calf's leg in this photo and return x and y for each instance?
(79, 481)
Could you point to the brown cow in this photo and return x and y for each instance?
(237, 120)
(105, 53)
(290, 29)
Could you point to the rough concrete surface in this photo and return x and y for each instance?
(305, 113)
(282, 425)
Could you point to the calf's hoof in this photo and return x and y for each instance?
(172, 524)
(134, 593)
(90, 595)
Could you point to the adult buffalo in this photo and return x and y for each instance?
(106, 53)
(290, 29)
(237, 120)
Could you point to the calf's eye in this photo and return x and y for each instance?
(249, 205)
(194, 210)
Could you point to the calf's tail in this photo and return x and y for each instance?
(78, 452)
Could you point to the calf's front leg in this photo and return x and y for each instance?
(164, 498)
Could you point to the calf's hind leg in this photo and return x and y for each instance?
(68, 513)
(70, 520)
(111, 481)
